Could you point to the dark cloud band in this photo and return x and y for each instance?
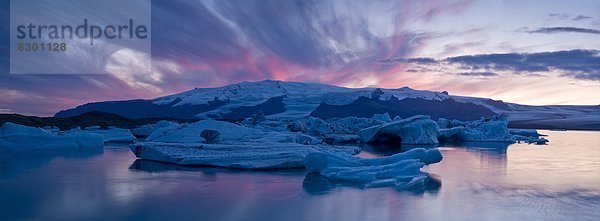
(555, 30)
(578, 64)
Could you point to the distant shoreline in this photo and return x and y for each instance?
(97, 118)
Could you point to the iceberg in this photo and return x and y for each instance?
(191, 133)
(321, 128)
(451, 134)
(492, 129)
(146, 130)
(259, 155)
(443, 123)
(336, 139)
(211, 136)
(113, 134)
(289, 137)
(529, 136)
(402, 170)
(15, 137)
(455, 123)
(212, 131)
(382, 117)
(51, 129)
(84, 140)
(416, 130)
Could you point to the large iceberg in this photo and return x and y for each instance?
(263, 144)
(18, 137)
(321, 128)
(243, 155)
(229, 133)
(413, 130)
(190, 133)
(113, 134)
(401, 170)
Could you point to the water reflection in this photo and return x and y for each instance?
(313, 183)
(157, 167)
(380, 150)
(486, 181)
(16, 163)
(492, 155)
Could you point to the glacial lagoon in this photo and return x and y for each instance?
(474, 181)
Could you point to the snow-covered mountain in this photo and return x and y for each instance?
(291, 100)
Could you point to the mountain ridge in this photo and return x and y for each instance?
(299, 99)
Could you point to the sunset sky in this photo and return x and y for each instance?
(531, 52)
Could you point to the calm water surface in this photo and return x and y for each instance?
(559, 181)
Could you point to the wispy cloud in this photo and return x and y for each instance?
(556, 30)
(582, 17)
(566, 16)
(409, 60)
(478, 74)
(561, 16)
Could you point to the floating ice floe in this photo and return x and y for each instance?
(413, 130)
(401, 170)
(525, 132)
(243, 155)
(14, 137)
(529, 136)
(113, 134)
(533, 140)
